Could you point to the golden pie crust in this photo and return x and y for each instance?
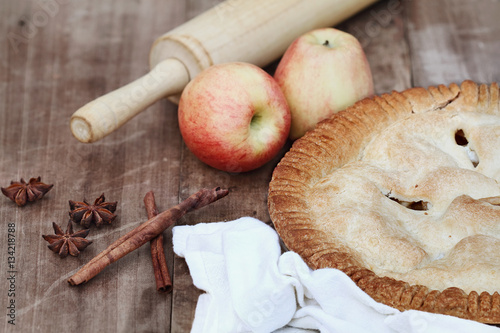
(401, 192)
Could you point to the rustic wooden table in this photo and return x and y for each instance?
(57, 55)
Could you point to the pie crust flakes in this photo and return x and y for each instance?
(401, 192)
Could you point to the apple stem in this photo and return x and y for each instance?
(326, 43)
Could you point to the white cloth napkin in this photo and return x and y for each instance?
(251, 286)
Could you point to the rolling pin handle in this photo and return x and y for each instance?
(107, 113)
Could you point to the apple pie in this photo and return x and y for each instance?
(401, 192)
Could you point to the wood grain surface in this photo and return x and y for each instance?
(57, 55)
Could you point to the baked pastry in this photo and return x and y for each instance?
(401, 192)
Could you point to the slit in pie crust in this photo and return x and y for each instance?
(401, 192)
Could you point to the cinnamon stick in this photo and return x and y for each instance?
(162, 276)
(144, 233)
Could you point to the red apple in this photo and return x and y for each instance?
(322, 72)
(234, 117)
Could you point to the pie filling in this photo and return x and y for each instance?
(422, 201)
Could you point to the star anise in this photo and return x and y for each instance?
(101, 212)
(22, 192)
(69, 242)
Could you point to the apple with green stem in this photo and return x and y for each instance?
(322, 72)
(234, 117)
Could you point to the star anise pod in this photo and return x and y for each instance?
(69, 242)
(22, 192)
(101, 212)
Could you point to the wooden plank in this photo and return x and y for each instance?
(74, 52)
(451, 41)
(193, 176)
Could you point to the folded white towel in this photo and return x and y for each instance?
(251, 286)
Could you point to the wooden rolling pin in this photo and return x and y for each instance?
(254, 31)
